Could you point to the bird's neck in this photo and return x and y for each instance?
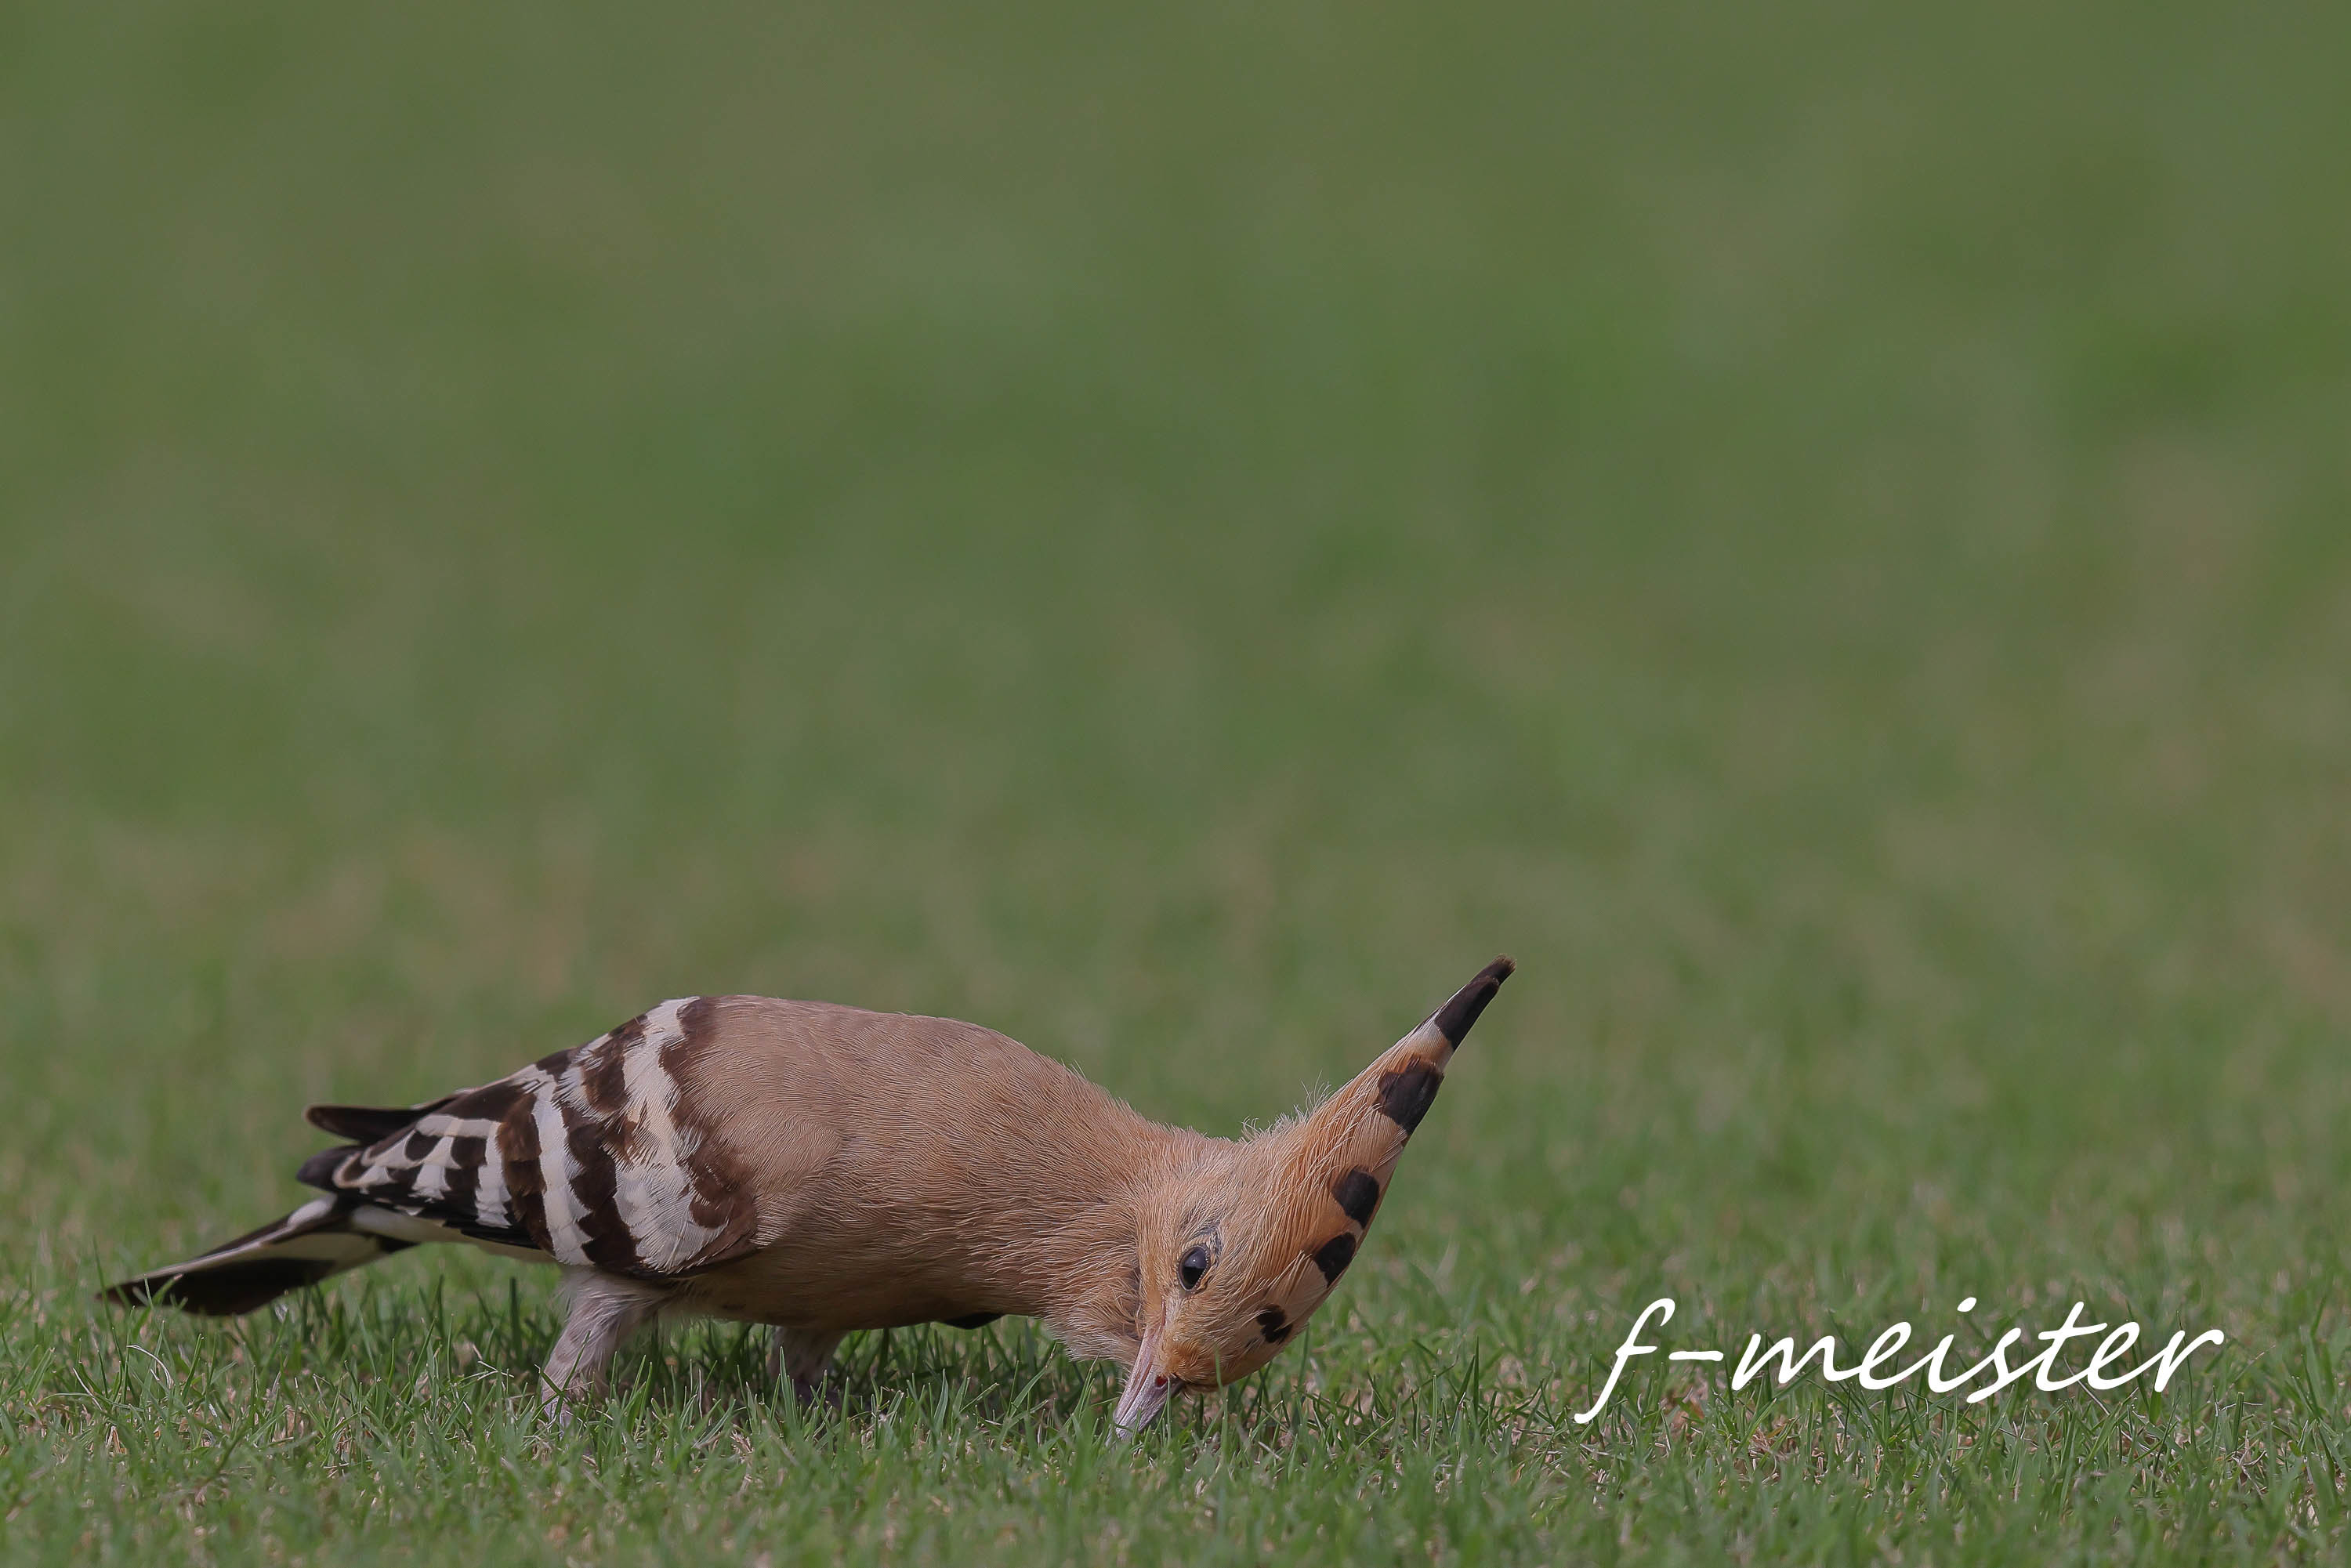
(1071, 1257)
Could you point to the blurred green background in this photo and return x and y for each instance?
(1179, 534)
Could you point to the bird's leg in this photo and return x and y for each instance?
(804, 1357)
(605, 1311)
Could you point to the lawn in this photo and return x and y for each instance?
(1825, 534)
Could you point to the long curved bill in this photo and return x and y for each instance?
(1147, 1389)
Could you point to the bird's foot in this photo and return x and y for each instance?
(824, 1387)
(556, 1405)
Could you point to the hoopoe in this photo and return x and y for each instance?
(821, 1170)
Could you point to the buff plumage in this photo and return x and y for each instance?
(824, 1169)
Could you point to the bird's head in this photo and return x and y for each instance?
(1236, 1254)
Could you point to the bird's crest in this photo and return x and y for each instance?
(1342, 1156)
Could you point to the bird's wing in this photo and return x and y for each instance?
(590, 1156)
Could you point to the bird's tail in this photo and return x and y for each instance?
(308, 1245)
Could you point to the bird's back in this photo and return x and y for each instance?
(904, 1168)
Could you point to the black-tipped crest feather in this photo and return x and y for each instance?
(1453, 1019)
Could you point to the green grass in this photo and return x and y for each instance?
(1825, 534)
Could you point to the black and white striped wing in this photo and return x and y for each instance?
(590, 1156)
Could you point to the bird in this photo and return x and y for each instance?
(824, 1169)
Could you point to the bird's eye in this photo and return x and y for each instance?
(1195, 1264)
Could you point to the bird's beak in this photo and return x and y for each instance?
(1147, 1388)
